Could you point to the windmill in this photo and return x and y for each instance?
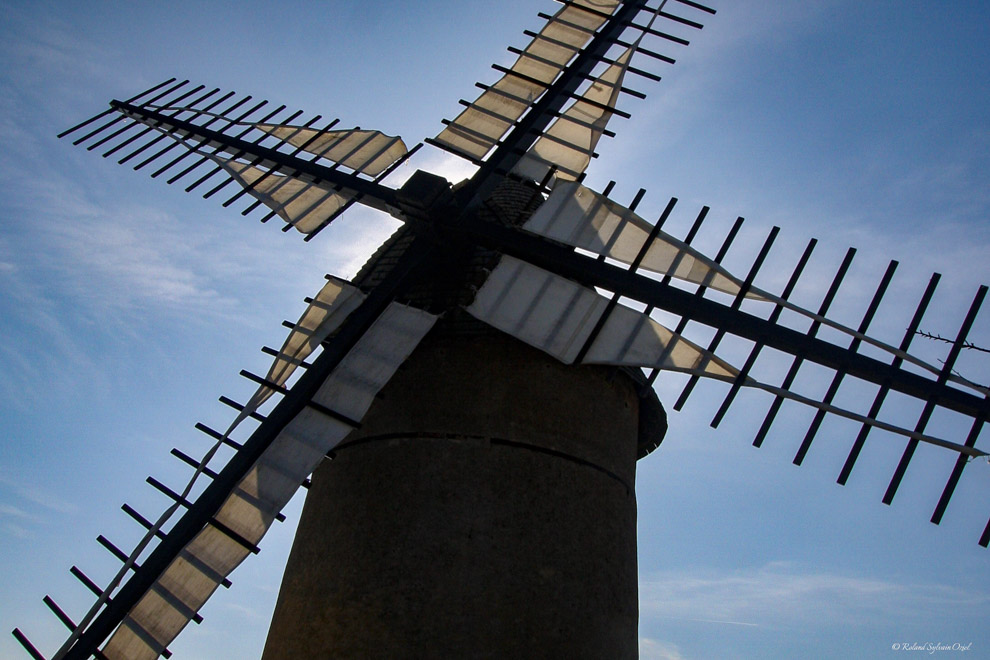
(561, 188)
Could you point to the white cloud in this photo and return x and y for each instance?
(448, 166)
(783, 595)
(654, 649)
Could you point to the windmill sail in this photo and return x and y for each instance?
(567, 145)
(578, 216)
(364, 151)
(250, 509)
(522, 116)
(262, 156)
(479, 127)
(246, 513)
(577, 325)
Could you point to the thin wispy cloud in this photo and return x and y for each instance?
(144, 254)
(48, 45)
(246, 612)
(16, 531)
(13, 512)
(720, 621)
(679, 95)
(784, 595)
(44, 57)
(32, 508)
(36, 496)
(121, 259)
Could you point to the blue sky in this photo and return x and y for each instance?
(127, 307)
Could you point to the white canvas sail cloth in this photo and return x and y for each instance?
(580, 217)
(251, 508)
(303, 205)
(558, 316)
(364, 151)
(481, 125)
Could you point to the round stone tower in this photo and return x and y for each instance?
(485, 509)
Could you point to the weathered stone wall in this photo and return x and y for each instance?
(447, 528)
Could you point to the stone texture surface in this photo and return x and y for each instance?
(446, 528)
